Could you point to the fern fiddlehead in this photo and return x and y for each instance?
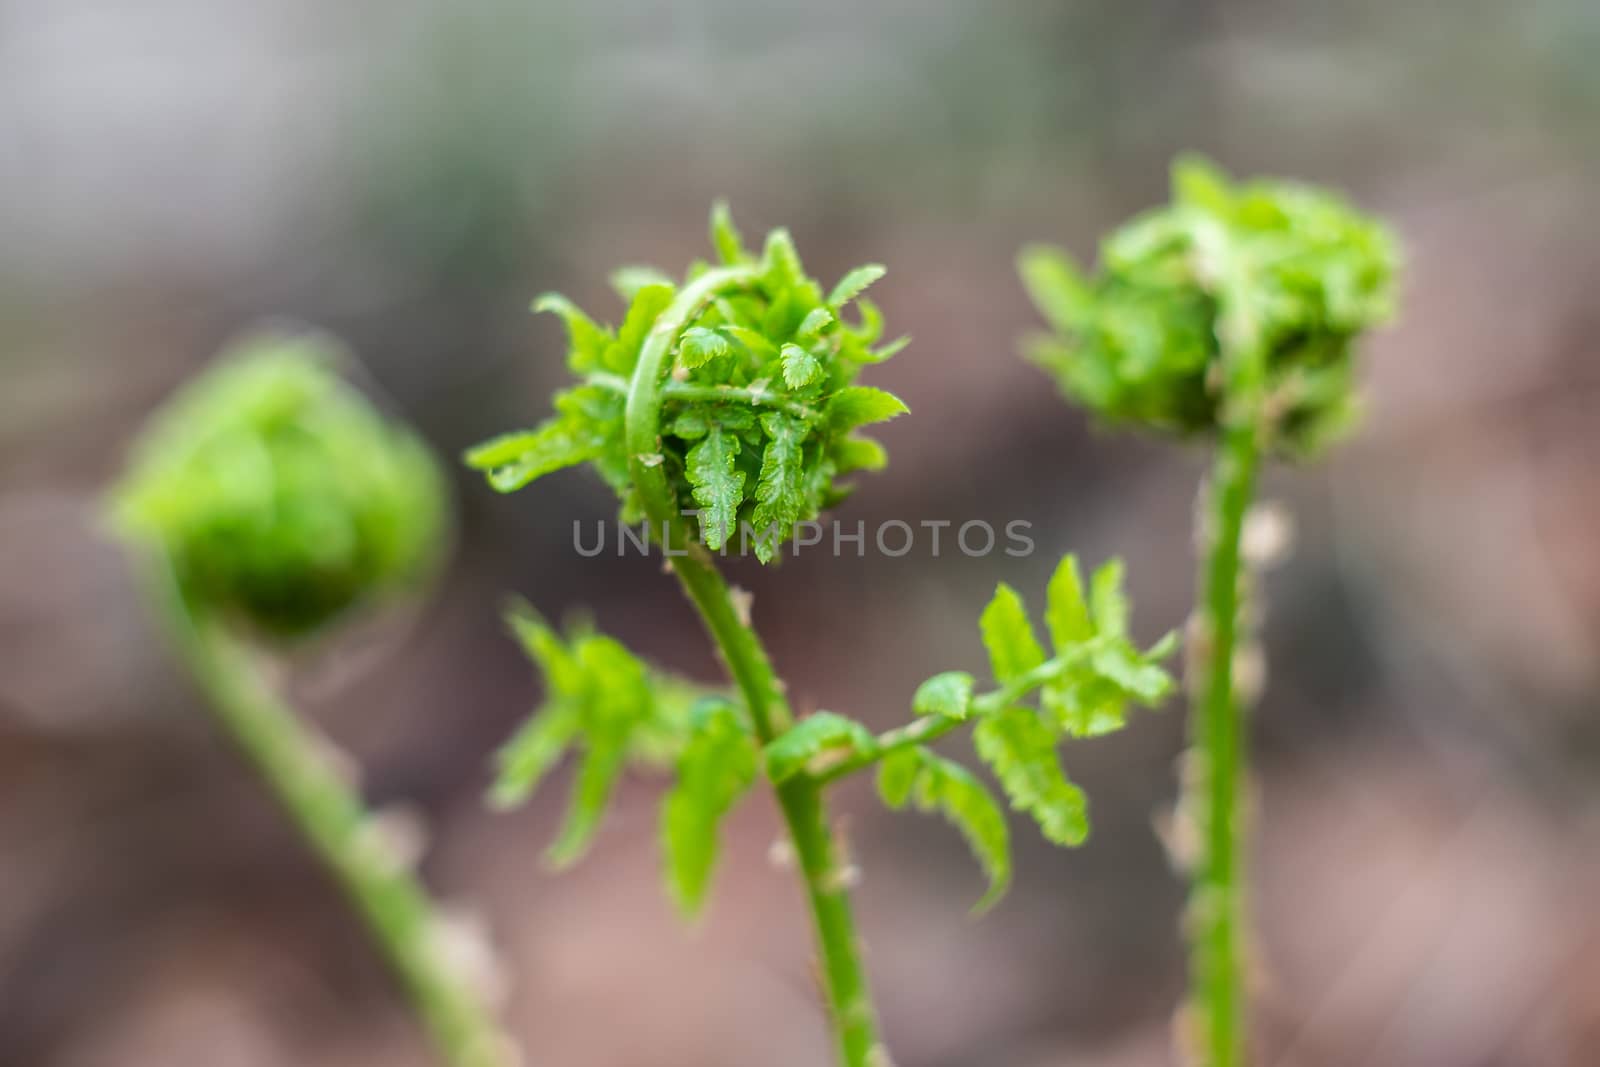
(732, 402)
(264, 504)
(1231, 313)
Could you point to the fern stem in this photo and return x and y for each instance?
(821, 860)
(301, 771)
(1217, 901)
(727, 394)
(932, 727)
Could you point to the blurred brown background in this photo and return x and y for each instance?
(409, 174)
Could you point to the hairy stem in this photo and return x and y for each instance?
(304, 776)
(821, 860)
(1217, 908)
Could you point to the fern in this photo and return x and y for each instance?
(1020, 749)
(1260, 288)
(854, 284)
(715, 480)
(718, 766)
(1008, 636)
(265, 504)
(601, 700)
(1083, 690)
(814, 744)
(1233, 311)
(758, 414)
(948, 695)
(917, 776)
(733, 399)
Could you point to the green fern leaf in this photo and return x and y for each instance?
(815, 743)
(1020, 749)
(948, 695)
(780, 260)
(854, 284)
(700, 346)
(617, 700)
(717, 766)
(718, 484)
(1008, 635)
(862, 405)
(871, 321)
(1199, 183)
(587, 341)
(602, 767)
(1066, 613)
(1107, 601)
(725, 236)
(563, 676)
(524, 761)
(649, 302)
(800, 368)
(883, 352)
(811, 327)
(918, 776)
(513, 460)
(1056, 285)
(780, 489)
(1134, 674)
(1086, 704)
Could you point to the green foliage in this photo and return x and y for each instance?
(918, 776)
(715, 480)
(948, 694)
(854, 284)
(282, 498)
(515, 459)
(1102, 671)
(700, 346)
(862, 405)
(1234, 301)
(717, 767)
(1008, 636)
(1020, 749)
(1084, 689)
(759, 413)
(601, 700)
(814, 743)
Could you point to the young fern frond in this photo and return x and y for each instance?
(758, 413)
(731, 401)
(603, 701)
(718, 766)
(1232, 312)
(1083, 688)
(719, 407)
(919, 777)
(266, 502)
(282, 499)
(1232, 304)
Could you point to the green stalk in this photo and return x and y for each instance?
(297, 766)
(821, 861)
(730, 394)
(1217, 901)
(932, 727)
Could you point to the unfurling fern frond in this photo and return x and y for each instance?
(759, 411)
(1234, 301)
